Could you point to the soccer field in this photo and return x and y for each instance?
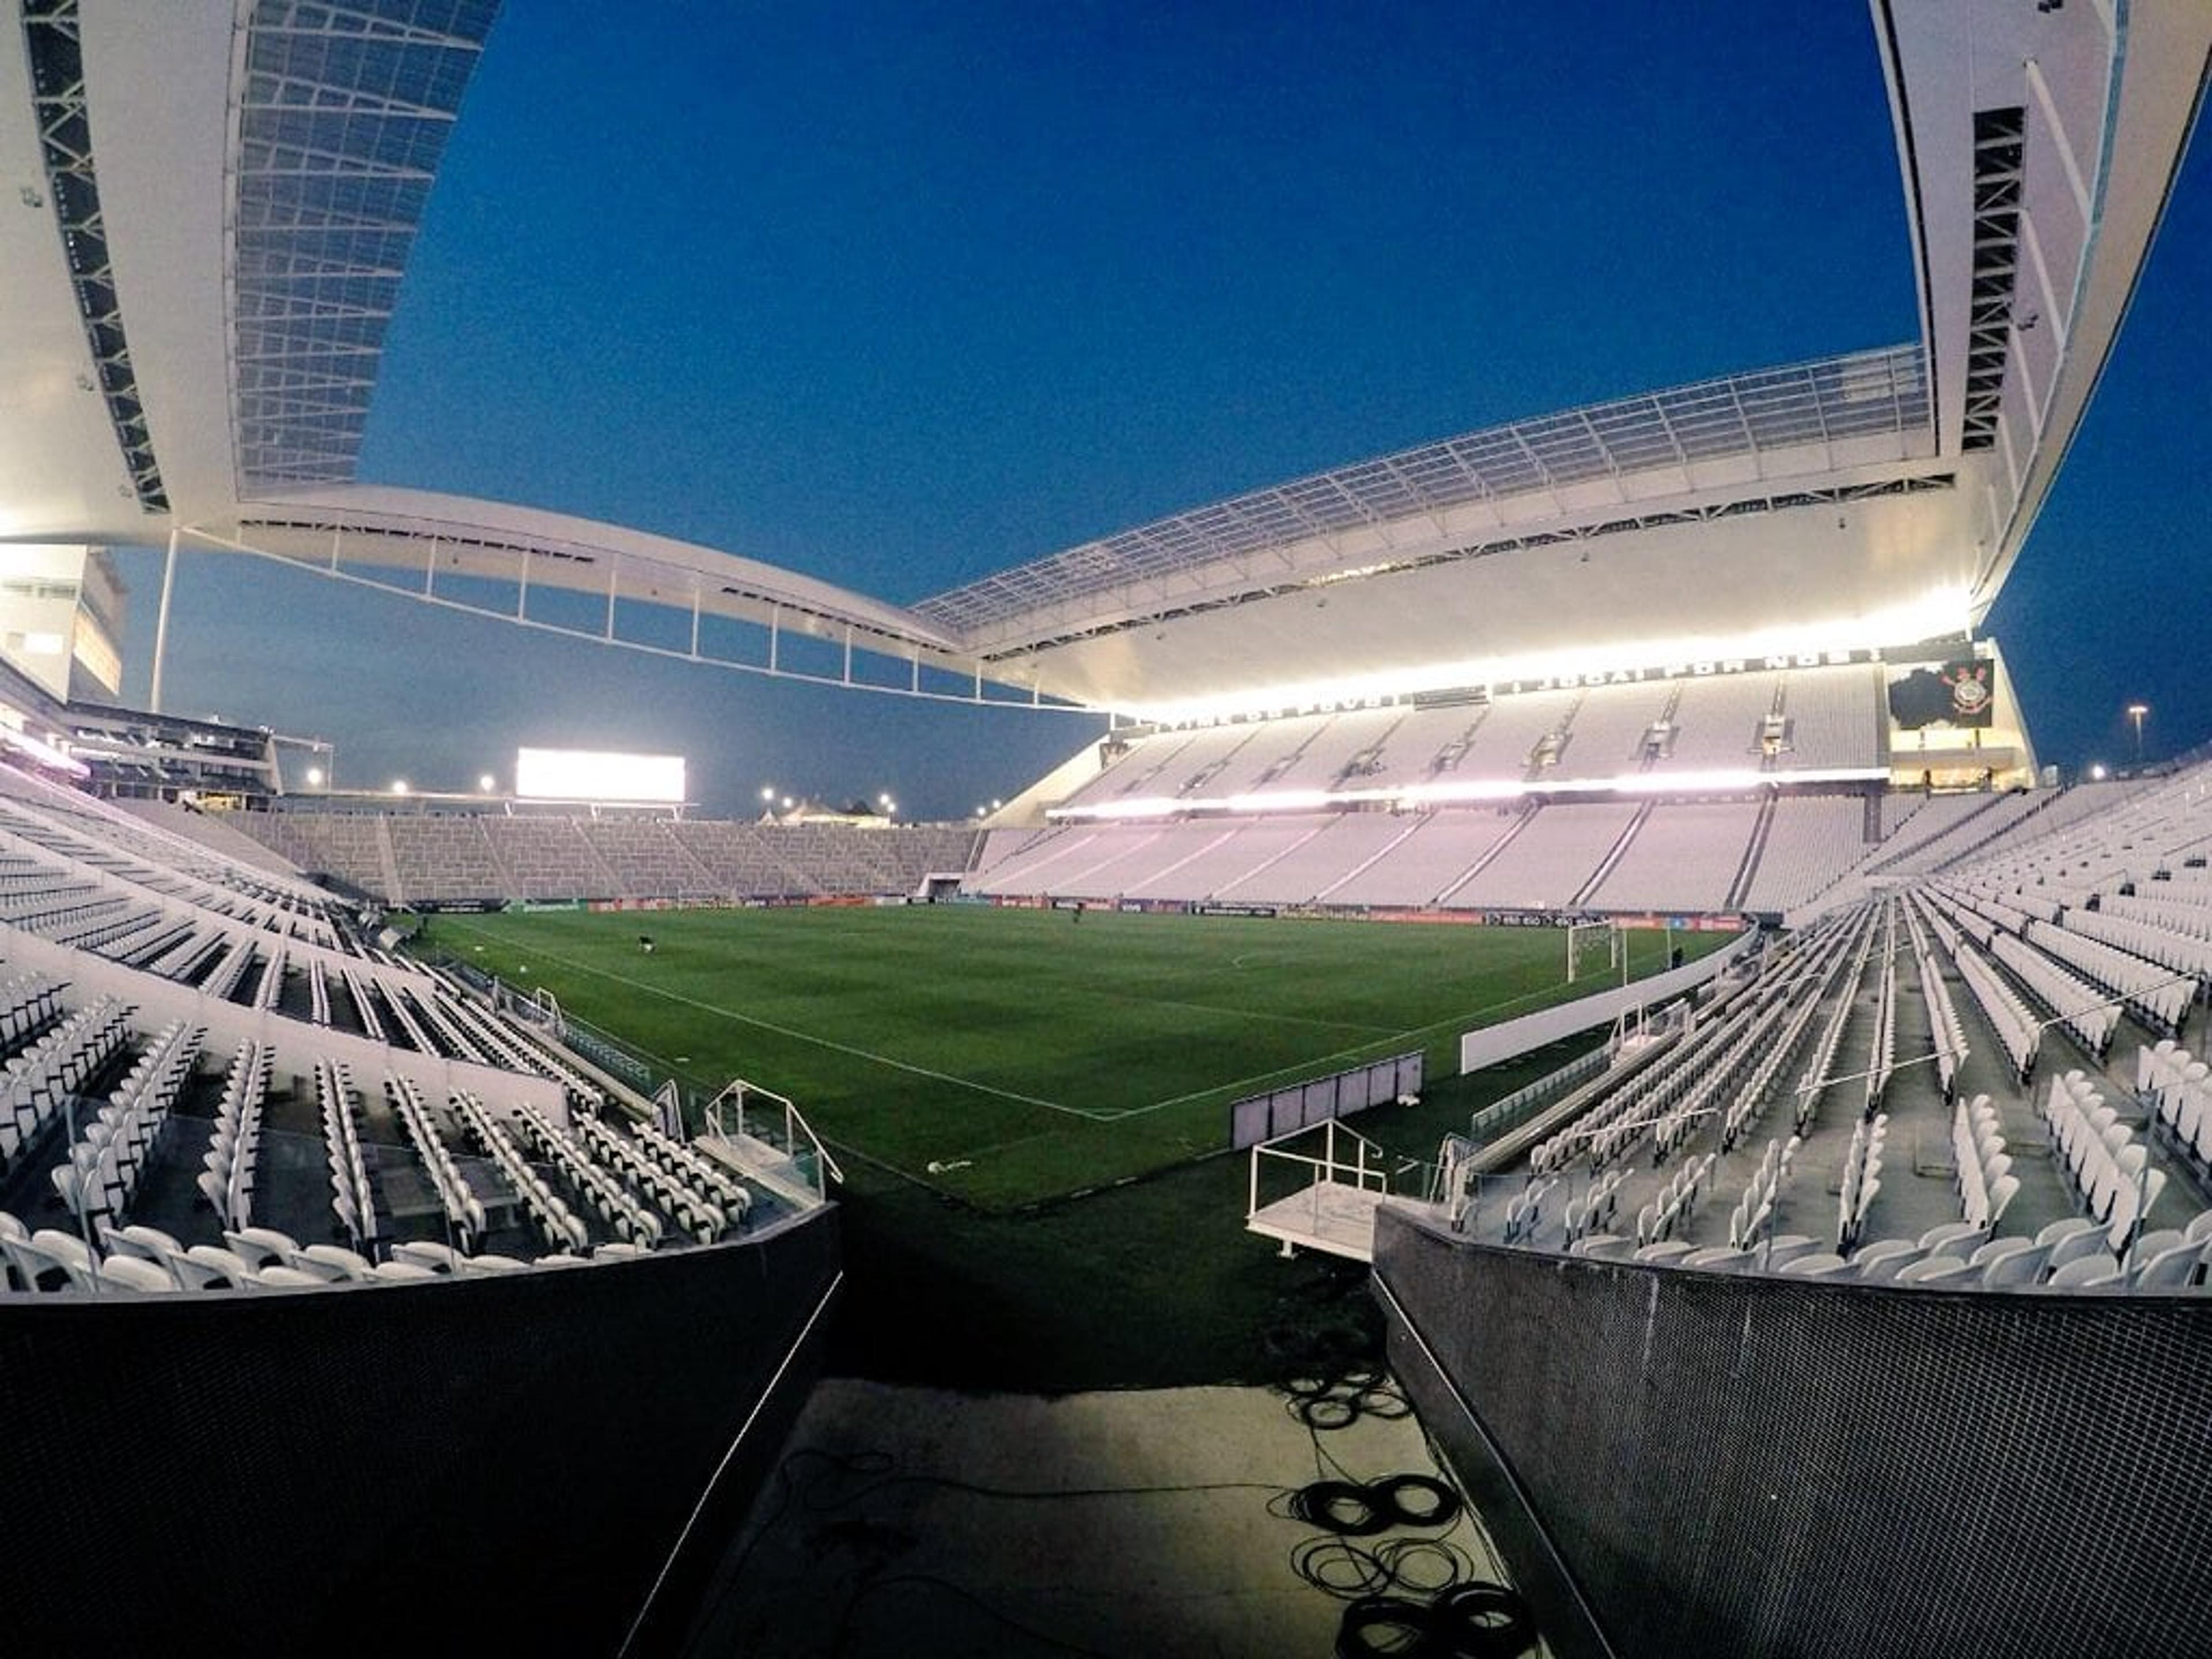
(1010, 1056)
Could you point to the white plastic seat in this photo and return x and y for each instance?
(134, 1273)
(2067, 1227)
(1940, 1272)
(1953, 1238)
(147, 1244)
(1719, 1259)
(210, 1267)
(1664, 1250)
(1784, 1250)
(2003, 1191)
(397, 1270)
(427, 1253)
(2173, 1268)
(282, 1278)
(329, 1262)
(1884, 1258)
(2010, 1263)
(2088, 1246)
(54, 1250)
(495, 1264)
(2089, 1272)
(262, 1247)
(2148, 1245)
(1816, 1264)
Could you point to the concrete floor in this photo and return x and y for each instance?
(1115, 1524)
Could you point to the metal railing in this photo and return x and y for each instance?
(746, 1112)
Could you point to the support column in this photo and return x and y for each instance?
(161, 624)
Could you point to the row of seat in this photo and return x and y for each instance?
(233, 1153)
(2019, 1030)
(1881, 1047)
(1752, 1218)
(561, 1228)
(147, 1260)
(2091, 1015)
(2176, 1094)
(464, 1209)
(2066, 1255)
(1850, 965)
(709, 1176)
(1598, 1207)
(1986, 1181)
(2170, 948)
(1677, 1202)
(100, 1173)
(352, 1199)
(2177, 910)
(1793, 1016)
(673, 1187)
(29, 1003)
(1862, 1179)
(632, 1221)
(1949, 1033)
(2158, 996)
(56, 1066)
(2109, 1171)
(1524, 1211)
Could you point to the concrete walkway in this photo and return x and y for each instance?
(921, 1523)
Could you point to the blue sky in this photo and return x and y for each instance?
(899, 297)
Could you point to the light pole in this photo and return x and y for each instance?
(2135, 713)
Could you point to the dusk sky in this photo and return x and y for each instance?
(897, 297)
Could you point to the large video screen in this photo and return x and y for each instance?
(595, 774)
(1957, 694)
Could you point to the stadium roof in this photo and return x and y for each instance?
(215, 202)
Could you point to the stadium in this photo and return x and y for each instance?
(1558, 1074)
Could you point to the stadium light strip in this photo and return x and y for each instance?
(1940, 614)
(1472, 792)
(43, 753)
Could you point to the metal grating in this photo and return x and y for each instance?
(2000, 138)
(1838, 398)
(343, 112)
(56, 51)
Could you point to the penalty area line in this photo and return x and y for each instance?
(797, 1036)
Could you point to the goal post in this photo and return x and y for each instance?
(1594, 947)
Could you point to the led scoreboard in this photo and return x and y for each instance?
(590, 775)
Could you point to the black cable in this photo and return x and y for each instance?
(1326, 1412)
(1381, 1624)
(1339, 1569)
(1479, 1620)
(1422, 1566)
(1437, 1505)
(1342, 1507)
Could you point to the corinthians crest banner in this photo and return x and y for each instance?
(1957, 694)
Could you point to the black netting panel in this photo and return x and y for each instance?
(1765, 1467)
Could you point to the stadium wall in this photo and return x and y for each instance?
(505, 1464)
(1676, 1461)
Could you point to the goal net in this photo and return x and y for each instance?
(1594, 950)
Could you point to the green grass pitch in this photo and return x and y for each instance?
(1008, 1057)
